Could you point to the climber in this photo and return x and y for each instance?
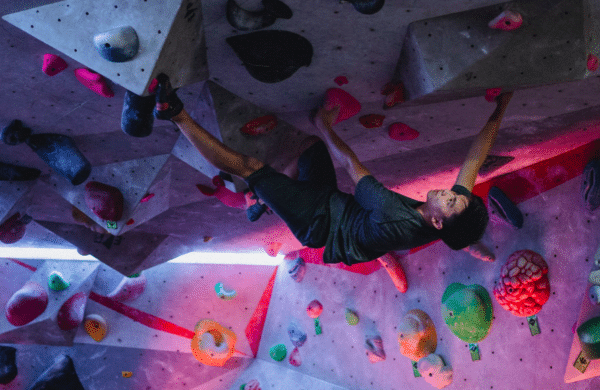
(357, 228)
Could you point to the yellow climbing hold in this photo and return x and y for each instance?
(96, 327)
(126, 374)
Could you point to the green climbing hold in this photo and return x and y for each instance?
(135, 275)
(351, 317)
(56, 282)
(278, 352)
(467, 310)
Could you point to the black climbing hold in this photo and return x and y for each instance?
(367, 7)
(137, 117)
(272, 56)
(15, 133)
(253, 20)
(61, 153)
(8, 364)
(59, 376)
(10, 172)
(590, 186)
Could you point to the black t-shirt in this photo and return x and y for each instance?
(374, 222)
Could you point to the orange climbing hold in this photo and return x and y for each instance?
(391, 263)
(212, 343)
(53, 64)
(96, 327)
(272, 248)
(94, 81)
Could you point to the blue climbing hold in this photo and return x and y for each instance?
(297, 336)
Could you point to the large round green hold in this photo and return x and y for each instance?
(467, 310)
(278, 352)
(589, 338)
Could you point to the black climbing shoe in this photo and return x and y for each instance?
(168, 104)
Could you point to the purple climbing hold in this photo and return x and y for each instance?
(297, 336)
(105, 201)
(8, 364)
(375, 350)
(53, 64)
(70, 314)
(60, 375)
(26, 304)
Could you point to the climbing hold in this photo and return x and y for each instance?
(507, 21)
(341, 80)
(130, 222)
(492, 93)
(105, 201)
(146, 198)
(394, 94)
(434, 371)
(594, 277)
(126, 374)
(592, 63)
(57, 282)
(129, 288)
(523, 286)
(61, 153)
(60, 375)
(480, 251)
(372, 120)
(207, 238)
(467, 310)
(253, 20)
(117, 45)
(8, 364)
(297, 336)
(94, 81)
(15, 133)
(351, 317)
(226, 196)
(271, 56)
(367, 7)
(278, 352)
(53, 64)
(96, 327)
(594, 294)
(314, 309)
(391, 262)
(590, 186)
(252, 385)
(295, 358)
(272, 248)
(589, 337)
(70, 314)
(375, 352)
(416, 335)
(348, 105)
(297, 269)
(213, 344)
(26, 304)
(224, 294)
(502, 206)
(10, 172)
(261, 125)
(402, 132)
(137, 117)
(13, 229)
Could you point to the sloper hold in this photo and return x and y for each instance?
(70, 314)
(105, 201)
(272, 56)
(13, 229)
(367, 7)
(129, 289)
(117, 45)
(61, 375)
(53, 64)
(26, 304)
(589, 337)
(245, 20)
(8, 364)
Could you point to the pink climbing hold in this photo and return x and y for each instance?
(259, 126)
(153, 86)
(349, 106)
(53, 64)
(341, 80)
(26, 304)
(229, 198)
(130, 222)
(592, 63)
(492, 93)
(295, 359)
(129, 289)
(146, 198)
(71, 313)
(401, 132)
(394, 94)
(94, 81)
(314, 309)
(273, 248)
(506, 21)
(105, 201)
(252, 385)
(371, 121)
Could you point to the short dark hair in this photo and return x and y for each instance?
(466, 228)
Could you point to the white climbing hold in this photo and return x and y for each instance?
(223, 293)
(434, 371)
(129, 288)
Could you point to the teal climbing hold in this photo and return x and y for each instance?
(278, 352)
(56, 282)
(351, 317)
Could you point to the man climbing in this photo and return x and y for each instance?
(357, 228)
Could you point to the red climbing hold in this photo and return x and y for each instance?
(592, 63)
(273, 248)
(349, 106)
(70, 314)
(105, 201)
(506, 21)
(341, 80)
(153, 85)
(492, 93)
(130, 222)
(295, 359)
(12, 230)
(53, 64)
(394, 94)
(26, 304)
(261, 125)
(402, 132)
(372, 120)
(94, 81)
(147, 198)
(226, 196)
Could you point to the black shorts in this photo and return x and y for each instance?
(303, 204)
